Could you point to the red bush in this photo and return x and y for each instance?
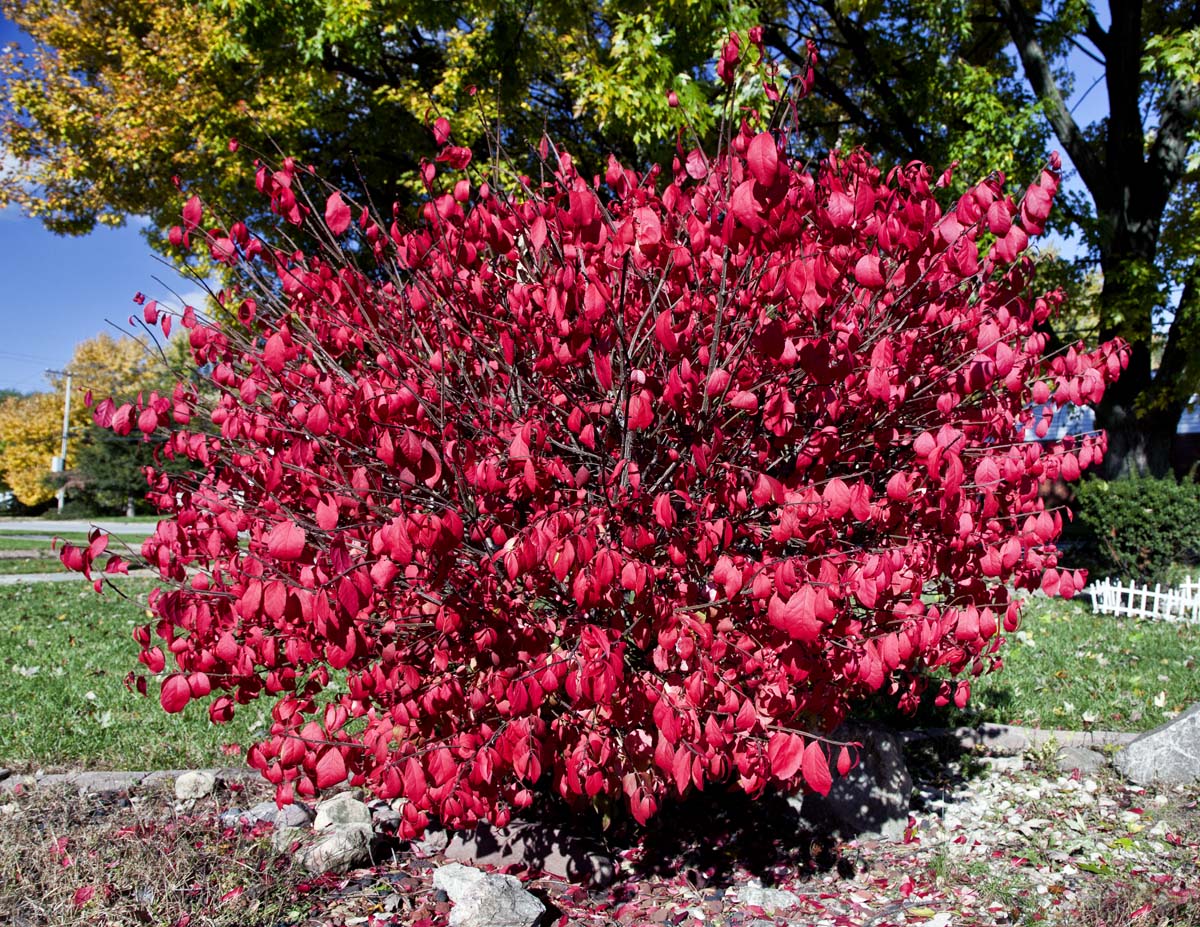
(634, 485)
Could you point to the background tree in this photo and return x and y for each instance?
(31, 426)
(117, 100)
(982, 82)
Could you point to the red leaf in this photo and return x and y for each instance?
(286, 541)
(83, 895)
(331, 768)
(785, 752)
(441, 130)
(762, 157)
(837, 497)
(193, 213)
(841, 210)
(816, 768)
(844, 763)
(868, 273)
(641, 410)
(175, 694)
(337, 214)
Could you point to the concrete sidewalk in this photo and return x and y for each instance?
(45, 528)
(16, 579)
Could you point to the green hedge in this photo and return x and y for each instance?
(1140, 527)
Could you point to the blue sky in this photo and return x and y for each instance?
(56, 291)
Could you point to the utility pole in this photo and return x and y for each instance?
(59, 463)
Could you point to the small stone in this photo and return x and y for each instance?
(486, 899)
(233, 817)
(195, 785)
(5, 772)
(383, 817)
(297, 814)
(769, 899)
(341, 809)
(263, 811)
(346, 846)
(1081, 758)
(434, 842)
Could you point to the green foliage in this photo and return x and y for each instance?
(108, 475)
(1141, 525)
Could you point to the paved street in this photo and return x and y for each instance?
(40, 527)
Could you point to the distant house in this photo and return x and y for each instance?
(1074, 420)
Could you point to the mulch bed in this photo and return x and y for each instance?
(993, 842)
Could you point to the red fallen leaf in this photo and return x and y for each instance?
(762, 157)
(815, 767)
(83, 895)
(175, 693)
(337, 214)
(286, 541)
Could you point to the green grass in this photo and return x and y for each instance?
(64, 653)
(14, 565)
(1068, 668)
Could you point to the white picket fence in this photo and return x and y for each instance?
(1178, 603)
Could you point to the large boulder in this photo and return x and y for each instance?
(873, 800)
(1168, 755)
(486, 899)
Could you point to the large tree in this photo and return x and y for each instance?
(934, 80)
(113, 102)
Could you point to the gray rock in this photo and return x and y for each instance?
(383, 816)
(535, 846)
(433, 843)
(341, 809)
(284, 836)
(1086, 761)
(769, 899)
(234, 817)
(343, 847)
(297, 814)
(1169, 754)
(874, 798)
(194, 785)
(486, 899)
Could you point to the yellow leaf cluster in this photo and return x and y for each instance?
(29, 436)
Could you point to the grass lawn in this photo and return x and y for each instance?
(64, 654)
(1068, 668)
(42, 564)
